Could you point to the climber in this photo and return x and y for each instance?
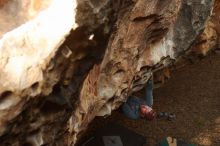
(136, 108)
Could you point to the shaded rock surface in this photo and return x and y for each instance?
(74, 60)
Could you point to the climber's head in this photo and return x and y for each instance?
(147, 112)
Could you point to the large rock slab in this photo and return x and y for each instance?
(65, 62)
(31, 33)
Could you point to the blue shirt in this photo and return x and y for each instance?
(131, 108)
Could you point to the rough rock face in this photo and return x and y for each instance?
(73, 60)
(15, 13)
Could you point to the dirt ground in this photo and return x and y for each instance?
(193, 94)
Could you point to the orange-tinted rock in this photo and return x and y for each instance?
(52, 86)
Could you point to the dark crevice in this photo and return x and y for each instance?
(35, 86)
(4, 95)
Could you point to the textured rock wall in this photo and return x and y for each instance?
(54, 80)
(14, 13)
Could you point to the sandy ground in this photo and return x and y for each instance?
(193, 94)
